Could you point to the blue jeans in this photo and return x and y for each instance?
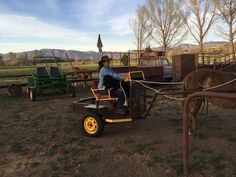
(121, 97)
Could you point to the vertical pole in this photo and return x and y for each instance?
(112, 59)
(225, 60)
(234, 57)
(129, 60)
(214, 64)
(130, 100)
(186, 139)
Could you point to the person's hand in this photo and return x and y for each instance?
(126, 78)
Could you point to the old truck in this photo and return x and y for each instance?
(153, 64)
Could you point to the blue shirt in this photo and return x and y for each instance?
(107, 71)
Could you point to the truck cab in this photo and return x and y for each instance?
(156, 59)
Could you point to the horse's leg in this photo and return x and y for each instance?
(195, 107)
(82, 78)
(84, 84)
(205, 105)
(193, 123)
(87, 77)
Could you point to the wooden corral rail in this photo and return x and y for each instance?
(225, 61)
(27, 75)
(15, 76)
(217, 61)
(72, 81)
(6, 86)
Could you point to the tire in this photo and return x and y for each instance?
(28, 92)
(32, 94)
(92, 125)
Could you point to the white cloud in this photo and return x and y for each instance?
(27, 26)
(110, 14)
(21, 33)
(99, 8)
(26, 32)
(119, 25)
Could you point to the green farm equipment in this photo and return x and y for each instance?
(48, 78)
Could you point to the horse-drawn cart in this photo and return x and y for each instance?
(100, 110)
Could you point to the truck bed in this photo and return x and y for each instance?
(154, 73)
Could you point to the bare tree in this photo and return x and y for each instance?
(202, 17)
(22, 58)
(227, 12)
(35, 57)
(141, 27)
(167, 20)
(11, 56)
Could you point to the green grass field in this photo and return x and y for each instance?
(65, 67)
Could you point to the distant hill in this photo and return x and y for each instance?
(78, 55)
(72, 54)
(215, 43)
(185, 47)
(206, 44)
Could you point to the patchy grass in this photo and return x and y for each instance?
(93, 158)
(44, 136)
(174, 161)
(139, 148)
(175, 122)
(128, 141)
(18, 148)
(199, 134)
(156, 141)
(202, 161)
(153, 160)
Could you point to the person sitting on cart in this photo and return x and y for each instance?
(109, 79)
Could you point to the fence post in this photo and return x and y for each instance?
(234, 57)
(214, 64)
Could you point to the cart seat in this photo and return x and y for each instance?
(55, 72)
(101, 95)
(42, 72)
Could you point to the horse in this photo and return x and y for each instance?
(82, 74)
(212, 80)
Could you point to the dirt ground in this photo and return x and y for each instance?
(42, 138)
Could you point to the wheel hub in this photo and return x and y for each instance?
(90, 125)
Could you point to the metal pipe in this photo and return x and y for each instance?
(186, 120)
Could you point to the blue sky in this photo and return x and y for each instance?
(67, 24)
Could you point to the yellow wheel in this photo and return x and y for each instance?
(92, 125)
